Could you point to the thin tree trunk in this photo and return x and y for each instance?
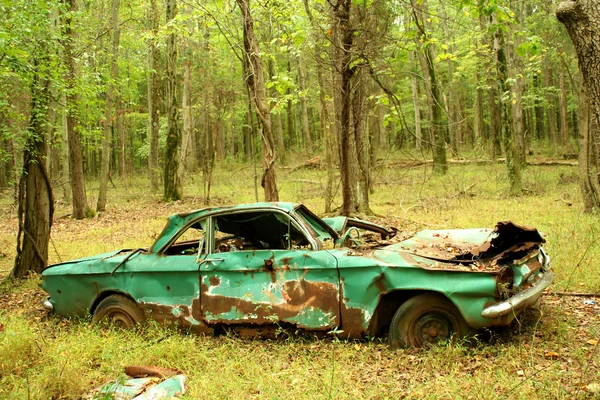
(551, 109)
(478, 121)
(508, 135)
(304, 108)
(362, 151)
(65, 165)
(172, 184)
(563, 126)
(256, 84)
(342, 36)
(440, 163)
(416, 103)
(186, 105)
(589, 189)
(75, 159)
(110, 104)
(325, 122)
(291, 132)
(153, 98)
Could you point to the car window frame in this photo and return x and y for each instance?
(314, 243)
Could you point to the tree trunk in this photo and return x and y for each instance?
(36, 202)
(362, 149)
(440, 163)
(291, 132)
(342, 38)
(304, 108)
(478, 120)
(172, 184)
(551, 109)
(582, 20)
(65, 166)
(325, 121)
(186, 106)
(588, 185)
(153, 98)
(563, 126)
(416, 94)
(508, 135)
(256, 84)
(110, 105)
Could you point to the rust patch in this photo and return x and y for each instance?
(286, 263)
(299, 294)
(214, 281)
(380, 282)
(181, 318)
(352, 319)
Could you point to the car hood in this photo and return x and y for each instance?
(506, 241)
(90, 259)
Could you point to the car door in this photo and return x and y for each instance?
(264, 284)
(166, 284)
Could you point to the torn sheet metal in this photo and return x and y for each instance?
(150, 383)
(507, 241)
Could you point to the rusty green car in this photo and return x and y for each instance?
(263, 267)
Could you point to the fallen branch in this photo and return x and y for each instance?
(418, 163)
(574, 294)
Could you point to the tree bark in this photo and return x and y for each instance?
(153, 98)
(256, 84)
(582, 20)
(304, 108)
(342, 36)
(416, 94)
(324, 112)
(440, 164)
(508, 135)
(563, 126)
(110, 105)
(588, 185)
(36, 202)
(172, 183)
(186, 106)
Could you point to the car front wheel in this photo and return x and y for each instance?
(426, 319)
(120, 311)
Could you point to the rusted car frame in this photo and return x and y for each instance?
(260, 267)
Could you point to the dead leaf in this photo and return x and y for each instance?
(592, 342)
(552, 355)
(593, 387)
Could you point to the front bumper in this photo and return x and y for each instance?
(521, 300)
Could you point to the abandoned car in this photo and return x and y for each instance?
(260, 267)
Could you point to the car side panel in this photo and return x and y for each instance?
(269, 287)
(364, 280)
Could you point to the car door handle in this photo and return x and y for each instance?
(211, 260)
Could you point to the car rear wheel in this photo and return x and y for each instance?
(426, 319)
(120, 311)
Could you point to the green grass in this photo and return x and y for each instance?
(47, 357)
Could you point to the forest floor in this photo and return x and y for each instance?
(551, 352)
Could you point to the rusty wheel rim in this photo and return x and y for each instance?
(432, 328)
(121, 319)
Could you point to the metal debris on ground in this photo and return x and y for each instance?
(146, 383)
